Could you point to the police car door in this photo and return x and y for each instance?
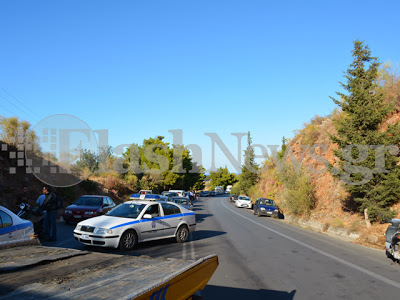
(152, 228)
(172, 218)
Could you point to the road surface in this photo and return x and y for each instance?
(265, 258)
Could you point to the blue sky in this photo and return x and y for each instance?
(141, 68)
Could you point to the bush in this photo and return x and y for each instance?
(68, 194)
(310, 134)
(298, 193)
(132, 180)
(235, 190)
(89, 185)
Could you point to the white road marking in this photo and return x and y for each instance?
(184, 251)
(192, 251)
(345, 262)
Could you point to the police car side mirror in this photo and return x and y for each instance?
(147, 216)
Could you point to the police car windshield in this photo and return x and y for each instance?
(90, 201)
(126, 210)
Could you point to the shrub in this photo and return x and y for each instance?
(298, 193)
(89, 185)
(132, 180)
(68, 194)
(310, 134)
(235, 190)
(338, 223)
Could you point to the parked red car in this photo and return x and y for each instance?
(86, 207)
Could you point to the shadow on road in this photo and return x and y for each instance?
(200, 217)
(205, 234)
(221, 292)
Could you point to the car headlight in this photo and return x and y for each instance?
(99, 230)
(78, 227)
(262, 208)
(68, 211)
(276, 209)
(89, 213)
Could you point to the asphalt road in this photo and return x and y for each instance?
(265, 258)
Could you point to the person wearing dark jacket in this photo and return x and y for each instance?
(24, 197)
(50, 220)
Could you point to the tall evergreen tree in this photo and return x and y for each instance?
(249, 175)
(367, 164)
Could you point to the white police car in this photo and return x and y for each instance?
(13, 229)
(137, 221)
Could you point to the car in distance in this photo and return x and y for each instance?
(233, 198)
(265, 207)
(204, 194)
(137, 221)
(228, 189)
(169, 194)
(182, 201)
(86, 207)
(243, 201)
(13, 229)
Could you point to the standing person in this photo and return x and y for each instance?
(40, 199)
(23, 197)
(51, 208)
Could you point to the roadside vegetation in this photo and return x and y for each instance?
(153, 165)
(312, 177)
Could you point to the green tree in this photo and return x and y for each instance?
(88, 159)
(249, 175)
(282, 152)
(367, 167)
(160, 166)
(14, 132)
(222, 177)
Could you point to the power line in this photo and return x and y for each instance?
(31, 113)
(8, 110)
(29, 117)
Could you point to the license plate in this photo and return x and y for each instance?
(85, 236)
(77, 217)
(268, 212)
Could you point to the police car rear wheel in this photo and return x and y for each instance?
(128, 240)
(182, 234)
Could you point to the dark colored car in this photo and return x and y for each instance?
(265, 207)
(213, 194)
(87, 207)
(170, 194)
(204, 194)
(233, 198)
(182, 201)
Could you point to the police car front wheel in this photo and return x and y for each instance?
(128, 240)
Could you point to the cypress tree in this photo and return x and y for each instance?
(368, 165)
(249, 175)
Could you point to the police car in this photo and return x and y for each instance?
(13, 229)
(137, 221)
